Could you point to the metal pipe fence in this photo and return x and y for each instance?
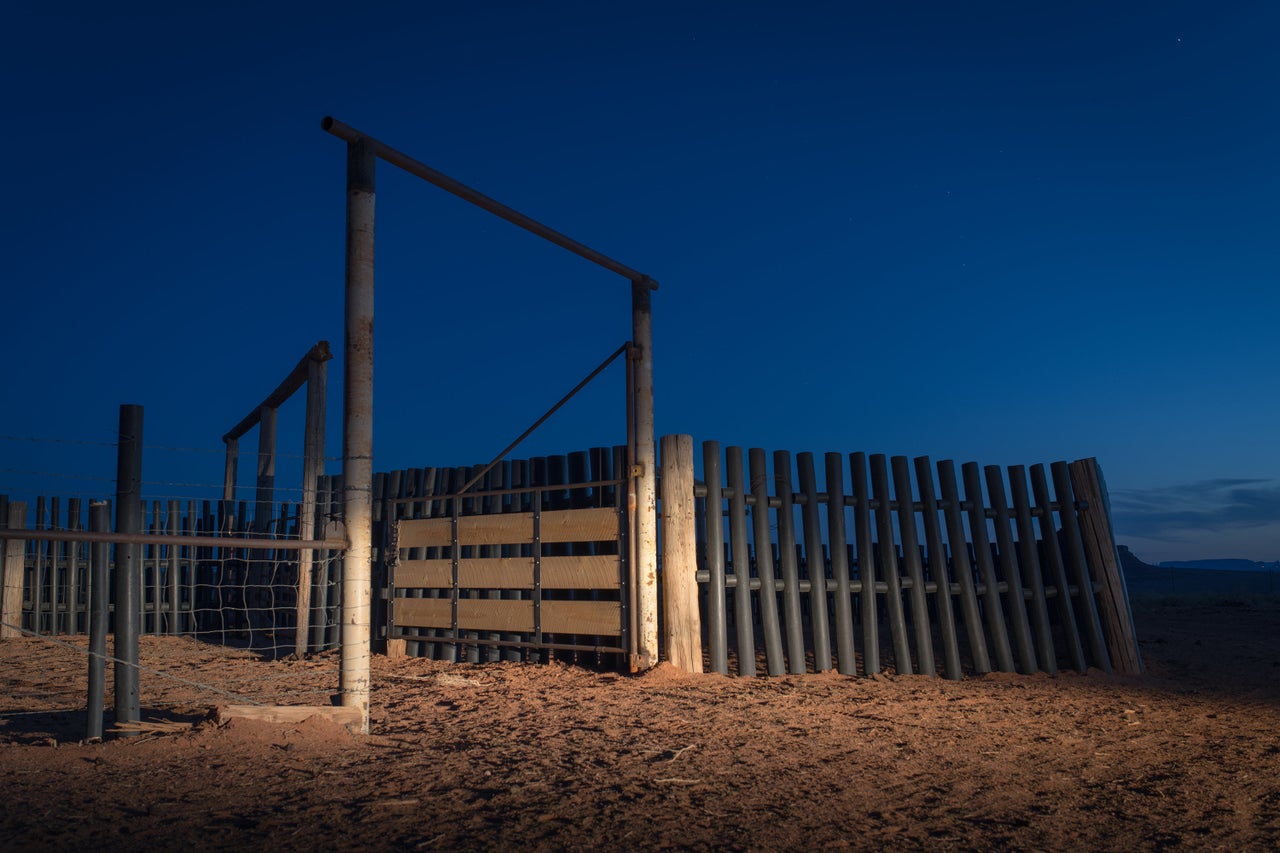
(907, 571)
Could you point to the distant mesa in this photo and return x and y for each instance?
(1131, 562)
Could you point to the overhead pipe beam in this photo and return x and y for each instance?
(421, 170)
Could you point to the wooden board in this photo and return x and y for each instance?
(586, 572)
(574, 525)
(353, 718)
(598, 618)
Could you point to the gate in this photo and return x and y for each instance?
(524, 578)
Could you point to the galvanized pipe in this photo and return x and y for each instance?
(788, 562)
(99, 559)
(761, 536)
(128, 581)
(816, 562)
(889, 566)
(846, 662)
(713, 542)
(867, 607)
(910, 538)
(746, 642)
(466, 193)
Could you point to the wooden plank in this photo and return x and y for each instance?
(594, 618)
(597, 618)
(598, 524)
(351, 717)
(11, 602)
(600, 571)
(421, 612)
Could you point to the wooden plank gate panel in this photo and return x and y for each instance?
(573, 601)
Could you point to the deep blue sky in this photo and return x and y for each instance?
(1002, 232)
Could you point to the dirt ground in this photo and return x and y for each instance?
(502, 756)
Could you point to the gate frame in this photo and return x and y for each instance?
(363, 151)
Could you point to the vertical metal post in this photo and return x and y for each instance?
(128, 585)
(312, 468)
(644, 478)
(357, 429)
(229, 471)
(99, 556)
(266, 483)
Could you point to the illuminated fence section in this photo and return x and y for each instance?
(215, 589)
(863, 563)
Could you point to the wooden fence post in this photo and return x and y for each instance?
(1100, 553)
(680, 555)
(13, 560)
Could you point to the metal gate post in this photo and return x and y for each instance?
(357, 431)
(644, 498)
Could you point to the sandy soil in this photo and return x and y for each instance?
(555, 757)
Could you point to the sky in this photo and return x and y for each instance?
(999, 232)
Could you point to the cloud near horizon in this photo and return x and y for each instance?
(1176, 513)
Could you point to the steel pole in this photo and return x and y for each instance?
(99, 557)
(357, 430)
(128, 585)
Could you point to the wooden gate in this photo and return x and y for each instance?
(540, 579)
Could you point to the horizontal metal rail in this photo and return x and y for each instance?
(421, 170)
(700, 490)
(292, 382)
(520, 490)
(160, 539)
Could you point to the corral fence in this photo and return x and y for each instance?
(862, 564)
(233, 588)
(866, 563)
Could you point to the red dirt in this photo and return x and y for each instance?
(554, 757)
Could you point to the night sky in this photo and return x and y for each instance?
(1002, 232)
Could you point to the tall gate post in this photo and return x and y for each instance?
(357, 430)
(644, 493)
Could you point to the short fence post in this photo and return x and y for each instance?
(680, 555)
(99, 558)
(128, 585)
(1100, 554)
(14, 566)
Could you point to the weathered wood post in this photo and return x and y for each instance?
(1100, 554)
(14, 559)
(644, 478)
(128, 580)
(680, 555)
(312, 468)
(357, 431)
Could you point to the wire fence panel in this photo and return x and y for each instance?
(234, 583)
